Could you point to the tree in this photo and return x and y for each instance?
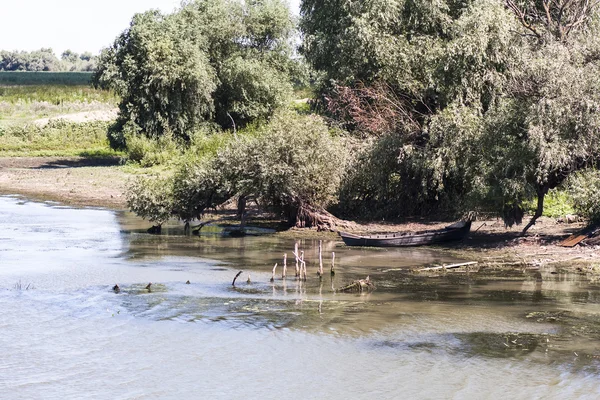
(482, 103)
(294, 166)
(213, 60)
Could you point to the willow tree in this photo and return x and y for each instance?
(212, 60)
(547, 125)
(417, 78)
(476, 101)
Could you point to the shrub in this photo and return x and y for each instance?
(295, 163)
(150, 152)
(584, 188)
(151, 198)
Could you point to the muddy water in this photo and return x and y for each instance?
(65, 334)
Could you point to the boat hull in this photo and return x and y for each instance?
(402, 239)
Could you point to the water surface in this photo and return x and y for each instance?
(65, 333)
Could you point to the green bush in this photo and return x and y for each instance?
(151, 198)
(56, 138)
(584, 188)
(150, 152)
(294, 163)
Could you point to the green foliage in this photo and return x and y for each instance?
(198, 185)
(558, 203)
(150, 152)
(291, 162)
(55, 94)
(57, 138)
(45, 78)
(45, 60)
(584, 188)
(212, 60)
(468, 101)
(151, 197)
(21, 105)
(295, 161)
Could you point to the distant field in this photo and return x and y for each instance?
(45, 78)
(53, 114)
(23, 104)
(55, 94)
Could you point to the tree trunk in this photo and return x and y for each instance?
(241, 206)
(541, 193)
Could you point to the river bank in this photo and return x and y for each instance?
(100, 182)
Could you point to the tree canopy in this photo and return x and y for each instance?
(476, 102)
(225, 61)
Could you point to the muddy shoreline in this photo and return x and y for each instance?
(100, 182)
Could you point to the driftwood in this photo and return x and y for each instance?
(450, 266)
(360, 285)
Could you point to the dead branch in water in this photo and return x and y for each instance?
(360, 285)
(238, 274)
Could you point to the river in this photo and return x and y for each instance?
(65, 334)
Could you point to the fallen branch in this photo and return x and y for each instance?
(360, 285)
(449, 266)
(238, 274)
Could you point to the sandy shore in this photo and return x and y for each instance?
(94, 182)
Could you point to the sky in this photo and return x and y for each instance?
(78, 25)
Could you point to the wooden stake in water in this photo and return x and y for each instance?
(284, 271)
(320, 273)
(332, 263)
(302, 265)
(297, 265)
(273, 276)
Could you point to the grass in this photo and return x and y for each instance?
(24, 104)
(58, 138)
(55, 94)
(45, 78)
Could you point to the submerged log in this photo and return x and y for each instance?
(360, 285)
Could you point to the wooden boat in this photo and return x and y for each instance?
(456, 231)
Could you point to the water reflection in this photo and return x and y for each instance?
(456, 334)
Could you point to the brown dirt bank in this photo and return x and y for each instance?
(76, 181)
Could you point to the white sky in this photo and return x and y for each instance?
(79, 25)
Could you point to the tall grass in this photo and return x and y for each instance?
(58, 138)
(20, 105)
(55, 94)
(45, 78)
